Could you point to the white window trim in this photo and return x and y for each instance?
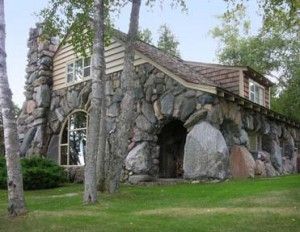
(261, 86)
(84, 79)
(67, 120)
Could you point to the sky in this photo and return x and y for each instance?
(191, 30)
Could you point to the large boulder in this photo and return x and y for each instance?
(138, 159)
(270, 170)
(242, 164)
(271, 146)
(205, 153)
(288, 165)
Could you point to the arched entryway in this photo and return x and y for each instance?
(171, 141)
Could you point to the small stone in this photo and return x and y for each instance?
(208, 107)
(148, 112)
(167, 103)
(260, 169)
(113, 110)
(157, 110)
(195, 118)
(195, 182)
(30, 106)
(187, 108)
(190, 93)
(143, 124)
(206, 99)
(60, 114)
(135, 179)
(43, 96)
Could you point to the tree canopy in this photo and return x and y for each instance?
(167, 41)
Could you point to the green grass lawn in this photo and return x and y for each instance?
(252, 205)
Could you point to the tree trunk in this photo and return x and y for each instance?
(98, 95)
(128, 113)
(101, 159)
(16, 203)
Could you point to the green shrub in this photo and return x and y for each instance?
(2, 173)
(38, 173)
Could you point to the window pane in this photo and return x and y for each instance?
(70, 77)
(252, 96)
(78, 70)
(261, 95)
(78, 120)
(86, 72)
(64, 136)
(77, 147)
(63, 155)
(251, 87)
(87, 62)
(70, 68)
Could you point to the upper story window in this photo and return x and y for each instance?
(256, 93)
(79, 70)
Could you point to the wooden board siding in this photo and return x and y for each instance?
(224, 77)
(246, 87)
(114, 56)
(267, 96)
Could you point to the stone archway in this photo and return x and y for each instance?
(171, 141)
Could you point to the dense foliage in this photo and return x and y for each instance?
(38, 173)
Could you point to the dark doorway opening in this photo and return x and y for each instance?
(171, 141)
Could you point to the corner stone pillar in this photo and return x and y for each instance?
(32, 120)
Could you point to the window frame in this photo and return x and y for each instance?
(67, 145)
(73, 62)
(263, 103)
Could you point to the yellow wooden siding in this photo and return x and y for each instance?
(114, 57)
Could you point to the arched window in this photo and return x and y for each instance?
(73, 139)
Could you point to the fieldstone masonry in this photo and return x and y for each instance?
(217, 139)
(32, 123)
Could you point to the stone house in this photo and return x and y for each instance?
(195, 120)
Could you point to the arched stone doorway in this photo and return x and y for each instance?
(171, 141)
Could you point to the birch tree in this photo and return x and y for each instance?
(96, 128)
(70, 18)
(16, 202)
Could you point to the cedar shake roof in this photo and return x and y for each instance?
(248, 71)
(193, 72)
(172, 63)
